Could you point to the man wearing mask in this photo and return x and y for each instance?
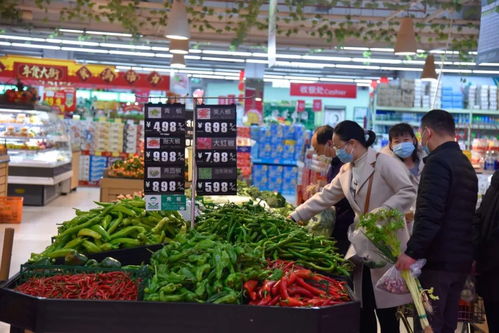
(323, 145)
(443, 219)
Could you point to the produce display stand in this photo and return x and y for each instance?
(4, 174)
(75, 168)
(51, 315)
(111, 188)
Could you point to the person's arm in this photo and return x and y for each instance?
(396, 176)
(330, 195)
(430, 208)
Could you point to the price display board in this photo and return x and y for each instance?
(216, 149)
(164, 156)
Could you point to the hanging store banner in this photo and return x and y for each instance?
(61, 98)
(324, 90)
(164, 156)
(300, 106)
(317, 105)
(46, 72)
(216, 149)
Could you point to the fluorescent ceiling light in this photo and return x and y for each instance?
(91, 32)
(444, 62)
(478, 71)
(138, 54)
(124, 67)
(463, 71)
(36, 46)
(222, 59)
(159, 48)
(401, 69)
(125, 46)
(362, 81)
(5, 43)
(299, 64)
(269, 76)
(71, 42)
(444, 52)
(192, 57)
(289, 56)
(153, 69)
(354, 48)
(421, 51)
(377, 60)
(325, 58)
(163, 55)
(413, 62)
(195, 51)
(461, 63)
(382, 49)
(334, 79)
(307, 78)
(473, 53)
(73, 31)
(364, 84)
(258, 54)
(81, 49)
(357, 66)
(231, 53)
(31, 39)
(256, 61)
(489, 64)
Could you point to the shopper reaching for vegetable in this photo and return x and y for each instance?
(369, 181)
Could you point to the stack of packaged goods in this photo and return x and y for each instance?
(134, 136)
(482, 97)
(485, 153)
(244, 151)
(276, 153)
(451, 99)
(92, 168)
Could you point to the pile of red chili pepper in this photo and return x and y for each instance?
(97, 286)
(296, 286)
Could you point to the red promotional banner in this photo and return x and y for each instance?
(324, 90)
(300, 106)
(40, 72)
(317, 105)
(61, 98)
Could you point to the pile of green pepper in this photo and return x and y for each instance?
(200, 268)
(274, 236)
(111, 226)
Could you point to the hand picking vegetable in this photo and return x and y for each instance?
(293, 285)
(273, 235)
(112, 226)
(199, 268)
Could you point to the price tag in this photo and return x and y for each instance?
(216, 149)
(164, 152)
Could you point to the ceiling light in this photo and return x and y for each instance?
(80, 49)
(429, 72)
(163, 55)
(155, 69)
(473, 53)
(406, 38)
(256, 61)
(192, 57)
(178, 61)
(289, 56)
(124, 67)
(307, 78)
(130, 53)
(444, 52)
(257, 54)
(222, 59)
(159, 48)
(31, 39)
(489, 64)
(195, 51)
(354, 48)
(477, 71)
(334, 79)
(90, 32)
(413, 62)
(375, 60)
(381, 49)
(36, 46)
(357, 66)
(462, 71)
(178, 26)
(179, 46)
(125, 46)
(364, 84)
(325, 58)
(461, 63)
(231, 53)
(5, 43)
(413, 69)
(71, 42)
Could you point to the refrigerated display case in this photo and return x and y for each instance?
(39, 151)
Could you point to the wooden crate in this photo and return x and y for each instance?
(75, 167)
(110, 188)
(4, 175)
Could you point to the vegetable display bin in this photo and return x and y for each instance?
(111, 188)
(75, 316)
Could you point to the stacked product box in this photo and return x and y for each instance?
(493, 97)
(92, 167)
(261, 176)
(290, 179)
(418, 93)
(483, 97)
(131, 137)
(451, 99)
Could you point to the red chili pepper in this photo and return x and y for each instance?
(310, 288)
(300, 291)
(291, 278)
(284, 288)
(250, 288)
(304, 273)
(266, 288)
(276, 288)
(291, 301)
(274, 300)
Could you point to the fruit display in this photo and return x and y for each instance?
(132, 167)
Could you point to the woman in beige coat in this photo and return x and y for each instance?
(366, 171)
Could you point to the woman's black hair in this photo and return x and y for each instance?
(403, 129)
(348, 130)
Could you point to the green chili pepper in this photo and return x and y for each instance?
(89, 233)
(100, 230)
(61, 253)
(125, 241)
(115, 223)
(91, 247)
(127, 231)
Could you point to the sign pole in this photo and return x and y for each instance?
(194, 169)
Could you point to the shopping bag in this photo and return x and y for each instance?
(468, 294)
(393, 282)
(322, 224)
(365, 252)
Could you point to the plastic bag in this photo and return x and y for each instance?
(365, 251)
(468, 294)
(393, 282)
(322, 224)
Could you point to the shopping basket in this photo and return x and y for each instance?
(471, 312)
(11, 209)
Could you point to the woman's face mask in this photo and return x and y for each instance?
(343, 155)
(404, 149)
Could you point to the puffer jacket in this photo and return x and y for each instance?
(445, 207)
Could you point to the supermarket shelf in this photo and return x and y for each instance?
(27, 138)
(485, 128)
(484, 112)
(107, 153)
(393, 122)
(32, 150)
(40, 180)
(26, 125)
(275, 161)
(38, 164)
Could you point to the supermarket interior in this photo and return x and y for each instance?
(131, 131)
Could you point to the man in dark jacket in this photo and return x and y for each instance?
(443, 222)
(486, 241)
(323, 145)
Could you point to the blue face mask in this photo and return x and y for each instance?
(426, 150)
(404, 149)
(344, 156)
